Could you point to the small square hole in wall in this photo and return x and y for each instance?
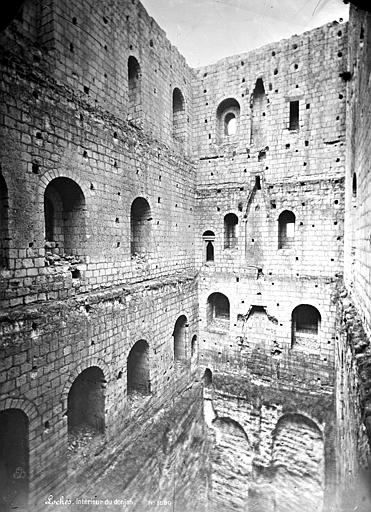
(75, 273)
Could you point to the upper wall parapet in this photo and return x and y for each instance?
(88, 45)
(284, 96)
(291, 96)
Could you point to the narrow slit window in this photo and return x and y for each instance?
(193, 345)
(134, 89)
(179, 115)
(230, 231)
(258, 118)
(354, 185)
(4, 231)
(209, 251)
(294, 115)
(209, 238)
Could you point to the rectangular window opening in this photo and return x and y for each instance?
(294, 115)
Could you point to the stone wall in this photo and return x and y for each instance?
(263, 451)
(281, 175)
(357, 212)
(53, 131)
(84, 273)
(353, 350)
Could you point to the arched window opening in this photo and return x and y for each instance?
(259, 105)
(4, 227)
(14, 459)
(230, 231)
(140, 221)
(179, 115)
(85, 409)
(228, 114)
(354, 185)
(286, 230)
(179, 335)
(209, 238)
(209, 251)
(138, 369)
(64, 213)
(230, 124)
(134, 82)
(218, 311)
(305, 321)
(193, 345)
(208, 378)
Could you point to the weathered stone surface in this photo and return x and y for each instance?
(158, 222)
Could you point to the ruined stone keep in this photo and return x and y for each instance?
(185, 261)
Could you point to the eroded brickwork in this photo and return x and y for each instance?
(353, 349)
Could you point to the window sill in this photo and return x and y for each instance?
(305, 342)
(286, 250)
(139, 258)
(218, 327)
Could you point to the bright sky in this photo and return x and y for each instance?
(207, 30)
